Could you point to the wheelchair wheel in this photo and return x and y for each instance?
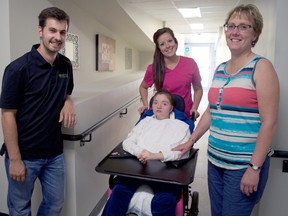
(194, 204)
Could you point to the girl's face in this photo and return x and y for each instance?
(162, 106)
(240, 40)
(167, 45)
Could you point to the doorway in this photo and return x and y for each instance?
(204, 55)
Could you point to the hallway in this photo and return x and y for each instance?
(200, 179)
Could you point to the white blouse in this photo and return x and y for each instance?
(157, 136)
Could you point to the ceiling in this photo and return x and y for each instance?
(213, 13)
(117, 15)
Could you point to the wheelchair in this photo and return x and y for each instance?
(189, 201)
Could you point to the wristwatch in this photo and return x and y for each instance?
(254, 167)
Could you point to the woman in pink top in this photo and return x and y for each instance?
(175, 73)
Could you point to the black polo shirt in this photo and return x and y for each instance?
(37, 91)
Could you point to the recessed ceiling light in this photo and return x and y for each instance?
(197, 26)
(190, 12)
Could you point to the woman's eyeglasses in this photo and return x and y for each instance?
(241, 27)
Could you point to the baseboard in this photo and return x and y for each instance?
(99, 206)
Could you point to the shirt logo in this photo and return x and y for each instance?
(63, 76)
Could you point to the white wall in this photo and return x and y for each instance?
(5, 58)
(85, 187)
(146, 58)
(24, 34)
(147, 23)
(274, 201)
(279, 44)
(5, 35)
(266, 44)
(222, 51)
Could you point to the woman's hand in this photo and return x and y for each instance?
(143, 90)
(183, 148)
(249, 181)
(142, 109)
(194, 114)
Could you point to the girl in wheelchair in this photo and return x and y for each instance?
(151, 139)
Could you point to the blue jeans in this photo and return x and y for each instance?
(51, 174)
(226, 198)
(163, 203)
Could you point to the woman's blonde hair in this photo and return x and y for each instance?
(253, 14)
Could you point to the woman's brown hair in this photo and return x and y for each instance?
(158, 60)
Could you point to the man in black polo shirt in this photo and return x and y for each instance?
(35, 101)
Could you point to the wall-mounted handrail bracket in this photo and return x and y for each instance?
(84, 139)
(123, 112)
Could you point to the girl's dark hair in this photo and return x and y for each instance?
(168, 94)
(52, 12)
(158, 60)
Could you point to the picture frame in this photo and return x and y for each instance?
(105, 53)
(71, 49)
(128, 58)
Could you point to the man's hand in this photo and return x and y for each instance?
(17, 170)
(67, 114)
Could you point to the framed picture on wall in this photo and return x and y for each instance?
(71, 49)
(128, 58)
(105, 53)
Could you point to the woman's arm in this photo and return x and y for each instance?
(198, 93)
(143, 90)
(200, 130)
(268, 93)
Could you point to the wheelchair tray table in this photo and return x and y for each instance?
(153, 170)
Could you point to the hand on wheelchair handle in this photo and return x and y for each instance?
(194, 115)
(142, 109)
